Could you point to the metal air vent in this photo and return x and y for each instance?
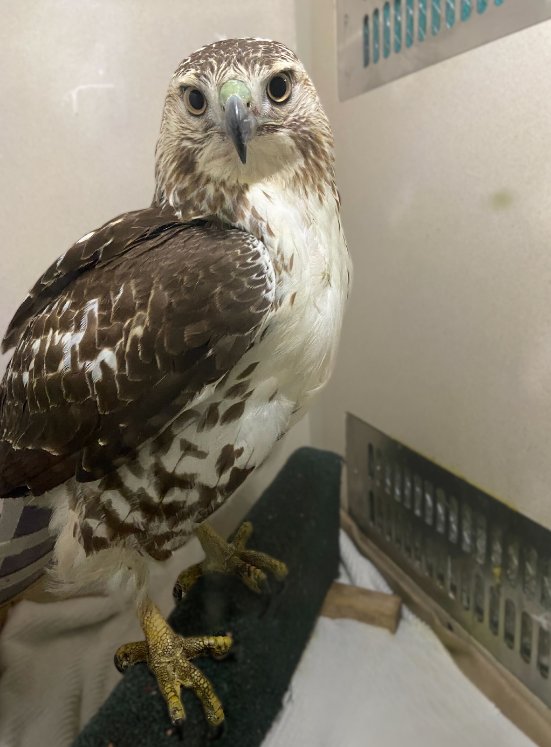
(380, 41)
(486, 565)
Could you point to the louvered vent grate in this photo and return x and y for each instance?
(487, 566)
(381, 41)
(406, 22)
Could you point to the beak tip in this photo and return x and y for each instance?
(240, 125)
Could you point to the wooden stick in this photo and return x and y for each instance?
(355, 603)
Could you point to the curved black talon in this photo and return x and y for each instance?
(274, 599)
(177, 593)
(216, 732)
(235, 652)
(179, 728)
(118, 664)
(266, 587)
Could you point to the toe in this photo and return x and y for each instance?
(130, 654)
(280, 570)
(266, 563)
(175, 707)
(222, 646)
(186, 580)
(242, 535)
(253, 577)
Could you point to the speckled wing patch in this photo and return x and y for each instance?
(93, 250)
(118, 336)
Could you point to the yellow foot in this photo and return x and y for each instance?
(231, 558)
(169, 655)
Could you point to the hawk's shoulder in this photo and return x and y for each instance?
(94, 249)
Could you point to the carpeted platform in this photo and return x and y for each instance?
(296, 520)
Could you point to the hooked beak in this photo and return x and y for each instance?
(240, 122)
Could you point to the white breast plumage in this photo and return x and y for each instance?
(308, 248)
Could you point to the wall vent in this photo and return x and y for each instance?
(381, 41)
(486, 565)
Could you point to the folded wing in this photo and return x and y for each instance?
(118, 336)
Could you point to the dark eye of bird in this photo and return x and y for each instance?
(195, 101)
(279, 88)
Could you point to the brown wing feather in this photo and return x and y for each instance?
(112, 348)
(98, 248)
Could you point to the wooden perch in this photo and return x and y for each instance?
(355, 603)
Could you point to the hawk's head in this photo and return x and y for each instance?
(237, 112)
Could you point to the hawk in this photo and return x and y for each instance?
(157, 362)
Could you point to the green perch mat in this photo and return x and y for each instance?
(296, 520)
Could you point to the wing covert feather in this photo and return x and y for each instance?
(112, 348)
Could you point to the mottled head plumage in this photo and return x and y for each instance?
(198, 170)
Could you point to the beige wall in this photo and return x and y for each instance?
(446, 183)
(82, 86)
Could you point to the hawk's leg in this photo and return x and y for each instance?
(232, 558)
(169, 655)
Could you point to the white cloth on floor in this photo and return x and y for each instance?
(360, 686)
(355, 685)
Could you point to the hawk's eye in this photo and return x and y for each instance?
(279, 88)
(195, 101)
